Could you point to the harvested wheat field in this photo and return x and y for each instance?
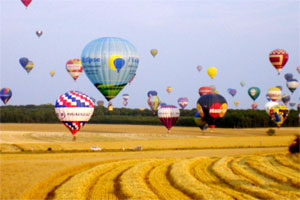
(223, 164)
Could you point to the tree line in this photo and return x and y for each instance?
(234, 118)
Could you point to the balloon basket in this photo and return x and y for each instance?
(74, 138)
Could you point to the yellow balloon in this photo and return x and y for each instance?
(111, 61)
(212, 72)
(153, 52)
(52, 72)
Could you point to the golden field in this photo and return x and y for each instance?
(223, 164)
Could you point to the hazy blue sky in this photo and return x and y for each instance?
(234, 36)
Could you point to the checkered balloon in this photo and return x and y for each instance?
(74, 109)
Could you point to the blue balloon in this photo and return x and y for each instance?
(152, 93)
(288, 76)
(23, 61)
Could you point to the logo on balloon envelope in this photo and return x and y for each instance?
(217, 110)
(116, 62)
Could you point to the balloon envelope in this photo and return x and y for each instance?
(254, 105)
(254, 92)
(269, 105)
(168, 115)
(52, 73)
(153, 52)
(29, 66)
(74, 109)
(39, 33)
(199, 121)
(125, 97)
(204, 90)
(5, 94)
(232, 92)
(212, 72)
(183, 102)
(211, 107)
(288, 76)
(74, 67)
(169, 89)
(236, 103)
(292, 84)
(278, 58)
(109, 63)
(152, 93)
(292, 104)
(153, 102)
(23, 61)
(285, 98)
(26, 2)
(199, 68)
(242, 83)
(298, 69)
(278, 114)
(274, 93)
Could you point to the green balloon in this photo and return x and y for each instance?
(254, 92)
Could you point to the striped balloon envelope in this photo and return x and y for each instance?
(278, 58)
(74, 109)
(183, 102)
(204, 90)
(168, 115)
(5, 95)
(74, 67)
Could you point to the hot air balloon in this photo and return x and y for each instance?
(26, 2)
(211, 108)
(236, 103)
(254, 92)
(125, 103)
(278, 114)
(169, 89)
(232, 92)
(212, 72)
(213, 88)
(100, 102)
(168, 115)
(242, 83)
(292, 84)
(279, 87)
(74, 67)
(125, 97)
(199, 68)
(278, 58)
(298, 69)
(274, 93)
(109, 63)
(269, 105)
(162, 104)
(254, 105)
(285, 98)
(23, 61)
(152, 93)
(292, 104)
(29, 66)
(153, 52)
(74, 109)
(39, 33)
(183, 102)
(153, 102)
(200, 122)
(288, 76)
(5, 94)
(52, 73)
(268, 98)
(204, 90)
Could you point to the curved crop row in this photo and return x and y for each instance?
(283, 160)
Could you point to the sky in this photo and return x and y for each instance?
(234, 36)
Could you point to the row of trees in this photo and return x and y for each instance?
(232, 119)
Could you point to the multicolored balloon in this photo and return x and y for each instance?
(292, 84)
(125, 97)
(254, 105)
(212, 72)
(39, 33)
(152, 93)
(168, 116)
(274, 93)
(52, 73)
(26, 64)
(5, 94)
(200, 122)
(183, 102)
(153, 102)
(153, 52)
(204, 90)
(109, 63)
(199, 68)
(211, 108)
(278, 58)
(74, 109)
(231, 91)
(26, 2)
(242, 83)
(268, 98)
(254, 92)
(74, 67)
(288, 76)
(285, 98)
(169, 89)
(278, 114)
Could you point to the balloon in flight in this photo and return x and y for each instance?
(298, 69)
(74, 68)
(242, 83)
(253, 92)
(236, 103)
(26, 2)
(39, 33)
(153, 52)
(199, 68)
(212, 72)
(52, 73)
(152, 93)
(5, 94)
(125, 97)
(204, 90)
(110, 63)
(274, 93)
(254, 105)
(278, 58)
(292, 84)
(183, 102)
(285, 98)
(232, 92)
(288, 76)
(292, 104)
(169, 89)
(153, 102)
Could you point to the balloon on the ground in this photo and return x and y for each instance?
(74, 109)
(288, 76)
(292, 84)
(199, 68)
(153, 52)
(39, 33)
(52, 73)
(153, 102)
(109, 63)
(169, 89)
(200, 122)
(152, 93)
(26, 2)
(278, 114)
(242, 83)
(168, 115)
(74, 67)
(285, 98)
(254, 105)
(211, 108)
(183, 102)
(100, 103)
(278, 58)
(212, 72)
(292, 104)
(254, 92)
(5, 94)
(204, 90)
(236, 103)
(231, 91)
(274, 93)
(125, 97)
(269, 105)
